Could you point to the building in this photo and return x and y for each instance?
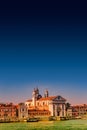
(69, 112)
(22, 111)
(37, 106)
(47, 105)
(8, 111)
(79, 110)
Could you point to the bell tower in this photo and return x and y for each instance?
(34, 97)
(46, 93)
(35, 94)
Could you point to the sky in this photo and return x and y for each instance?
(43, 45)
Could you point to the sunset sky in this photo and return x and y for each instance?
(44, 45)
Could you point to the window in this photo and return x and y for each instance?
(38, 103)
(23, 116)
(43, 103)
(29, 104)
(22, 109)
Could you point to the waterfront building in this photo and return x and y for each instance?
(22, 111)
(69, 112)
(47, 105)
(8, 111)
(79, 110)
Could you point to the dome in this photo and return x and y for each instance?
(39, 96)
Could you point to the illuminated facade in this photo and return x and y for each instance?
(8, 111)
(47, 105)
(79, 110)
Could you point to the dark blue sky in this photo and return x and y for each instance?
(44, 45)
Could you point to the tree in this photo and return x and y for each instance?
(67, 105)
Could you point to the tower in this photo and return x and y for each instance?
(34, 97)
(35, 94)
(46, 93)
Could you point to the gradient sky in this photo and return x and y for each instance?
(44, 45)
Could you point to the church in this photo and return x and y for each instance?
(46, 105)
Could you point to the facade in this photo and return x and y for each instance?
(46, 106)
(79, 110)
(8, 111)
(41, 106)
(69, 112)
(22, 111)
(37, 106)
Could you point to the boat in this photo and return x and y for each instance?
(32, 120)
